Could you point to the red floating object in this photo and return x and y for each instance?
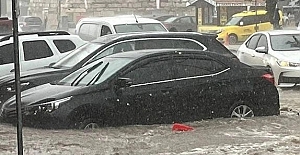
(181, 127)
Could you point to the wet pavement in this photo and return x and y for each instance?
(258, 135)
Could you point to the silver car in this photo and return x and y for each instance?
(277, 49)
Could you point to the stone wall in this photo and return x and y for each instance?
(76, 9)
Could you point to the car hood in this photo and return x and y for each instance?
(42, 93)
(291, 56)
(28, 73)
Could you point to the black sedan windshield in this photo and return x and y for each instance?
(77, 55)
(95, 72)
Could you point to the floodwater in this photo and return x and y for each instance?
(255, 136)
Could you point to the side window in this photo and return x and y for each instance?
(144, 72)
(105, 30)
(64, 45)
(185, 20)
(36, 50)
(83, 30)
(262, 18)
(122, 47)
(249, 20)
(166, 43)
(88, 31)
(6, 54)
(253, 42)
(189, 67)
(262, 42)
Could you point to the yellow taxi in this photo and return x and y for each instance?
(241, 25)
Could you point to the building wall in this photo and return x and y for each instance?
(76, 9)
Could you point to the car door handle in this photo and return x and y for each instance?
(252, 55)
(12, 70)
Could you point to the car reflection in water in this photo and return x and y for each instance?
(149, 87)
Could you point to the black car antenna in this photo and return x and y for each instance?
(135, 19)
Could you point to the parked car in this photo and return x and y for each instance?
(163, 17)
(36, 49)
(278, 50)
(241, 25)
(181, 23)
(5, 25)
(107, 45)
(31, 24)
(149, 87)
(91, 28)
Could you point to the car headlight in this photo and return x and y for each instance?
(53, 105)
(288, 64)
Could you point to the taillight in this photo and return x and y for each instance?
(269, 77)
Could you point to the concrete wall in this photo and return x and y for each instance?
(76, 9)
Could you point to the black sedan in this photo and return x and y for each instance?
(106, 45)
(149, 87)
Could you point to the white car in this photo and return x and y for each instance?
(36, 49)
(91, 28)
(277, 49)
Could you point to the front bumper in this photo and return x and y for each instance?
(289, 75)
(31, 119)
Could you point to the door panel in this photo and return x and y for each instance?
(196, 83)
(149, 99)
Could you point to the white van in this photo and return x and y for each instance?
(36, 49)
(91, 28)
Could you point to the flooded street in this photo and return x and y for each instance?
(259, 135)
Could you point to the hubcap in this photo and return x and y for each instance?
(232, 39)
(242, 111)
(91, 126)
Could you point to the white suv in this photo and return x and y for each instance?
(36, 49)
(91, 28)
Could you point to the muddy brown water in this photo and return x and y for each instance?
(257, 136)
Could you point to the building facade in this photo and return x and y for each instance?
(72, 10)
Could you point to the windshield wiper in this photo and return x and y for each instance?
(82, 75)
(298, 43)
(98, 75)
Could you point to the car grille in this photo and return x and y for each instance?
(283, 79)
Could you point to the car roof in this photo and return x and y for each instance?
(249, 13)
(137, 35)
(47, 34)
(119, 20)
(148, 52)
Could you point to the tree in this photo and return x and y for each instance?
(270, 8)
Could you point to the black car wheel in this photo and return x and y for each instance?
(232, 39)
(241, 110)
(87, 124)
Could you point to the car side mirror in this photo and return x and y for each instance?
(241, 23)
(261, 49)
(124, 82)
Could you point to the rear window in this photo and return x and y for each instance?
(33, 19)
(125, 28)
(64, 45)
(6, 54)
(5, 26)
